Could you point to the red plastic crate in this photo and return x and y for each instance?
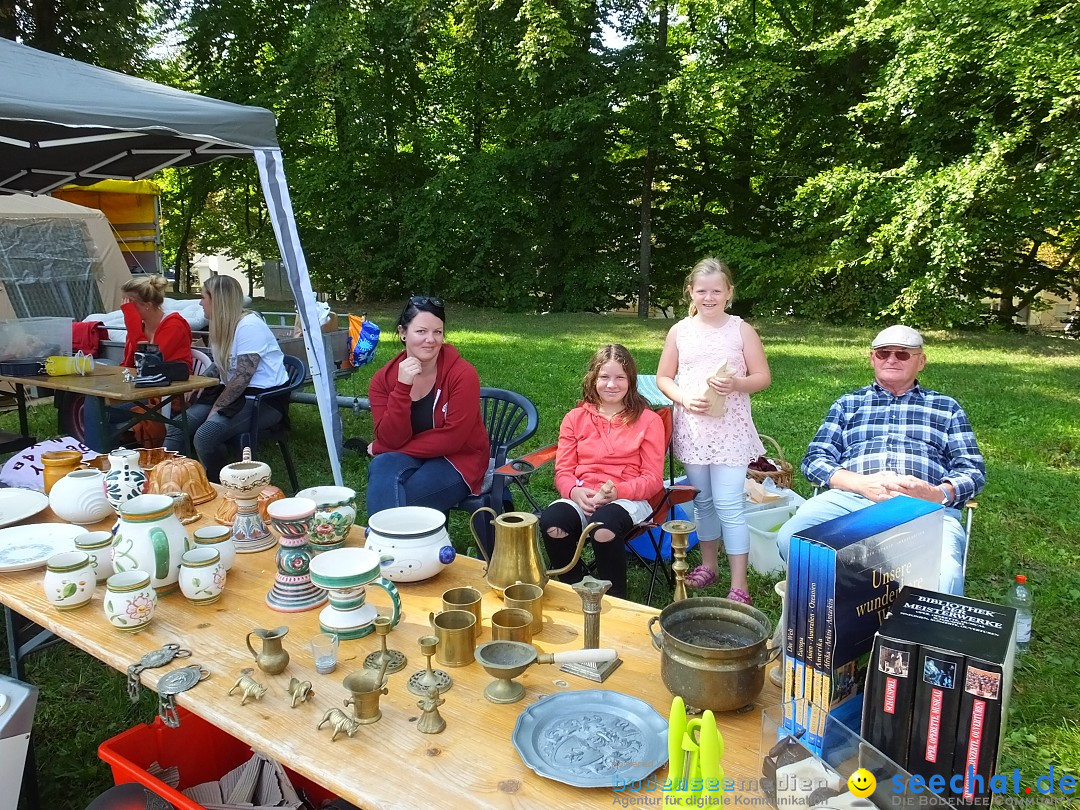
(200, 751)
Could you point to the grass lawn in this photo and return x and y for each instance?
(1022, 394)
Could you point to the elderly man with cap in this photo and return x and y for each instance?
(894, 437)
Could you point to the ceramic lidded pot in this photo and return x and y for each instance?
(79, 497)
(151, 539)
(202, 576)
(244, 480)
(129, 601)
(335, 512)
(125, 478)
(69, 580)
(56, 464)
(415, 539)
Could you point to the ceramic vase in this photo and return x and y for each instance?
(79, 497)
(335, 512)
(202, 576)
(219, 538)
(345, 573)
(129, 601)
(99, 546)
(56, 464)
(244, 480)
(69, 580)
(125, 478)
(150, 538)
(293, 590)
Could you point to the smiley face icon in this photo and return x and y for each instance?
(862, 783)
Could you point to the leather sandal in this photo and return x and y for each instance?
(739, 595)
(700, 577)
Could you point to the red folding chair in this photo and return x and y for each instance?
(663, 503)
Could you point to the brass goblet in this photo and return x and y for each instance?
(420, 682)
(395, 659)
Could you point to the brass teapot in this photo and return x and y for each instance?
(516, 556)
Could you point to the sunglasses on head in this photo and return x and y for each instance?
(901, 354)
(425, 301)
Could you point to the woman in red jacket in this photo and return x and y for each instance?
(609, 462)
(430, 447)
(147, 322)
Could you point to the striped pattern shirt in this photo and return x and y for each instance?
(920, 433)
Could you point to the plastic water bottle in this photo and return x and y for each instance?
(1020, 598)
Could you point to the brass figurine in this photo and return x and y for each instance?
(250, 688)
(301, 691)
(680, 538)
(431, 722)
(340, 721)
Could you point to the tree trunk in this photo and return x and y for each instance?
(645, 255)
(645, 262)
(46, 37)
(9, 25)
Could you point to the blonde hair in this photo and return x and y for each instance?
(148, 289)
(633, 403)
(227, 310)
(707, 267)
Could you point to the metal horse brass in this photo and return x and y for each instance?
(516, 556)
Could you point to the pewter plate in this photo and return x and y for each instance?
(592, 738)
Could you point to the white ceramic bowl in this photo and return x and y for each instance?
(414, 538)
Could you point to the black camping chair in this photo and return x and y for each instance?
(511, 419)
(279, 432)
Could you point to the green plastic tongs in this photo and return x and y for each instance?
(695, 748)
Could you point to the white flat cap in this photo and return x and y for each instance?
(898, 336)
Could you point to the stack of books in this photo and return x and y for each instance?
(938, 689)
(842, 577)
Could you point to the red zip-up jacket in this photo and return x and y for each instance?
(593, 450)
(459, 434)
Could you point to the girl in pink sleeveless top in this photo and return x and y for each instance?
(711, 363)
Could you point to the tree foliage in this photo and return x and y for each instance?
(852, 159)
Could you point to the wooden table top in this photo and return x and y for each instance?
(108, 382)
(388, 764)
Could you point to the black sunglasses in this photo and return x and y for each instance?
(884, 354)
(426, 300)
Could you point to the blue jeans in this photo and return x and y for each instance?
(832, 503)
(397, 479)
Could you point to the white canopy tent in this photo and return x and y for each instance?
(63, 121)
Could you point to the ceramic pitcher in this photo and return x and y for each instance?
(150, 538)
(125, 478)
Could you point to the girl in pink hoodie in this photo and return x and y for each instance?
(609, 462)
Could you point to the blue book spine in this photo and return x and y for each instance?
(802, 597)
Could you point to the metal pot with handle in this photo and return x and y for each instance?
(713, 651)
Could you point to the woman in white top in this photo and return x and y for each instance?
(254, 361)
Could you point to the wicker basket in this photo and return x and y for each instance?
(782, 477)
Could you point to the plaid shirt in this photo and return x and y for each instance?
(920, 433)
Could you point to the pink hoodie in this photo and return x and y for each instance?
(593, 450)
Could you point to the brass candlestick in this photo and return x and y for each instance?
(395, 660)
(591, 591)
(420, 682)
(680, 538)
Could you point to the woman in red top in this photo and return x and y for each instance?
(609, 462)
(147, 322)
(430, 447)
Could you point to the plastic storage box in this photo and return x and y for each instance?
(200, 751)
(764, 525)
(30, 338)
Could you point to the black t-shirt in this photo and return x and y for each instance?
(423, 413)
